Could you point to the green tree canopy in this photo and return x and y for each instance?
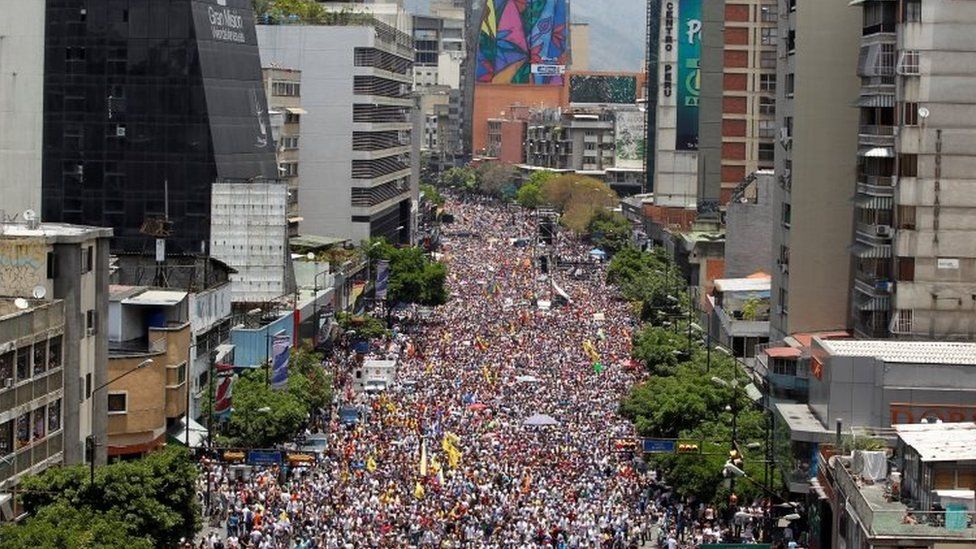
(609, 230)
(459, 178)
(155, 496)
(66, 526)
(496, 179)
(432, 194)
(578, 198)
(365, 326)
(414, 278)
(529, 196)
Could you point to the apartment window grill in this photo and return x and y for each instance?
(289, 142)
(904, 321)
(288, 169)
(909, 116)
(767, 59)
(908, 63)
(378, 113)
(769, 13)
(373, 85)
(368, 169)
(286, 89)
(375, 141)
(371, 57)
(767, 128)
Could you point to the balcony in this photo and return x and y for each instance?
(876, 185)
(879, 516)
(32, 458)
(877, 136)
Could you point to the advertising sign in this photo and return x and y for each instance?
(382, 278)
(659, 446)
(689, 74)
(263, 457)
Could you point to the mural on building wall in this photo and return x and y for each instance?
(594, 88)
(523, 42)
(23, 265)
(629, 138)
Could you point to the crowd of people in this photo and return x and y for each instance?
(505, 436)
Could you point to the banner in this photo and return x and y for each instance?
(279, 365)
(224, 388)
(382, 278)
(689, 74)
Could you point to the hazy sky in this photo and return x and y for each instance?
(616, 30)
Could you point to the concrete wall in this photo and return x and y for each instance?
(823, 155)
(252, 346)
(748, 226)
(21, 103)
(710, 107)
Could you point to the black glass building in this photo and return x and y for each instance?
(146, 104)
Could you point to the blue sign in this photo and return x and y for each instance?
(263, 457)
(659, 446)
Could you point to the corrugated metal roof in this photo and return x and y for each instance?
(917, 352)
(743, 284)
(940, 441)
(156, 297)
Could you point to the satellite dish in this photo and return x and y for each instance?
(21, 303)
(39, 292)
(923, 112)
(29, 215)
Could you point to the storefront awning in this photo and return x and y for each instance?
(198, 433)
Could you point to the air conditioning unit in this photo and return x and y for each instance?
(120, 131)
(883, 230)
(8, 383)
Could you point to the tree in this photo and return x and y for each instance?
(609, 230)
(540, 177)
(578, 198)
(529, 196)
(315, 385)
(658, 349)
(431, 193)
(496, 179)
(305, 11)
(413, 277)
(459, 178)
(365, 326)
(69, 527)
(156, 495)
(262, 416)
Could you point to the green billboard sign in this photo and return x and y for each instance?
(689, 74)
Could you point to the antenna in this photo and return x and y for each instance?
(39, 292)
(21, 303)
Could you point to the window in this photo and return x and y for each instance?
(784, 254)
(286, 89)
(23, 430)
(906, 217)
(292, 118)
(40, 357)
(6, 437)
(766, 128)
(784, 300)
(787, 214)
(908, 63)
(91, 320)
(7, 369)
(54, 416)
(909, 115)
(767, 152)
(908, 165)
(768, 13)
(74, 54)
(904, 321)
(767, 36)
(767, 82)
(906, 269)
(88, 385)
(52, 265)
(23, 363)
(790, 83)
(767, 105)
(289, 142)
(288, 169)
(117, 403)
(784, 367)
(181, 374)
(913, 11)
(39, 421)
(54, 353)
(767, 59)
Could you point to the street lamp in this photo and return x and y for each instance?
(91, 441)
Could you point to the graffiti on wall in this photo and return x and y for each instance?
(23, 265)
(629, 137)
(523, 42)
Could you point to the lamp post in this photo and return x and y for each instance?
(92, 441)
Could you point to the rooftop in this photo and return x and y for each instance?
(940, 441)
(8, 305)
(917, 352)
(54, 232)
(743, 284)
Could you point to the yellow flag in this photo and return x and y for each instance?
(370, 464)
(423, 459)
(418, 491)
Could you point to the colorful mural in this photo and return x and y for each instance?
(523, 42)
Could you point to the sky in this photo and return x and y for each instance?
(616, 30)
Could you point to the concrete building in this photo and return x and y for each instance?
(21, 104)
(915, 234)
(818, 43)
(738, 313)
(873, 385)
(580, 46)
(748, 224)
(581, 140)
(748, 125)
(427, 33)
(283, 87)
(148, 327)
(357, 134)
(68, 263)
(249, 234)
(32, 398)
(923, 498)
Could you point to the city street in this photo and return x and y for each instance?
(454, 462)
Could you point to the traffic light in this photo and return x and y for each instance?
(687, 448)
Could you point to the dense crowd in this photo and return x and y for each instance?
(452, 462)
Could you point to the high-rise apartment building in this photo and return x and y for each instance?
(816, 87)
(915, 216)
(283, 87)
(146, 104)
(356, 137)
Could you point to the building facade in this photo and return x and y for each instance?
(357, 133)
(817, 42)
(53, 262)
(137, 127)
(283, 88)
(914, 254)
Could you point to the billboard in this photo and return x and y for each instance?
(593, 88)
(523, 42)
(689, 74)
(629, 139)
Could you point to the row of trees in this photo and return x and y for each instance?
(414, 277)
(691, 395)
(139, 504)
(491, 178)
